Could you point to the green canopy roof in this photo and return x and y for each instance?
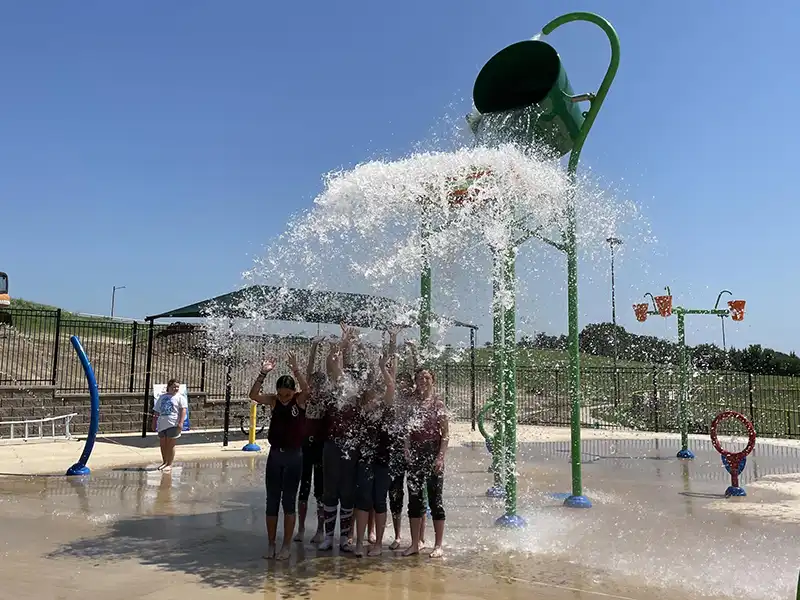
(308, 306)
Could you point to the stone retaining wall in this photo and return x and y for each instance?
(119, 412)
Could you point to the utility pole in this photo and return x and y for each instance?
(612, 242)
(114, 297)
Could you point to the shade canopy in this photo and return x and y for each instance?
(302, 305)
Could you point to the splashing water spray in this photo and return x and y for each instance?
(466, 213)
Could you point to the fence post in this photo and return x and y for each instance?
(447, 383)
(147, 379)
(472, 407)
(133, 356)
(55, 347)
(558, 399)
(228, 394)
(655, 398)
(750, 395)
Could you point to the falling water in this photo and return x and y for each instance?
(364, 232)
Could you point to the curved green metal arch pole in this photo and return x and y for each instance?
(570, 242)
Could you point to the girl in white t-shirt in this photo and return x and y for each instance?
(170, 409)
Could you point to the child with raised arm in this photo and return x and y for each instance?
(285, 459)
(374, 424)
(403, 408)
(338, 454)
(312, 447)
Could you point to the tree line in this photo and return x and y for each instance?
(598, 339)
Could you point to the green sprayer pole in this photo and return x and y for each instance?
(798, 587)
(573, 348)
(425, 289)
(577, 499)
(510, 376)
(498, 363)
(683, 380)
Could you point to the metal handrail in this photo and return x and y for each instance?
(52, 420)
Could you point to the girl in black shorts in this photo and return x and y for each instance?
(373, 429)
(285, 460)
(426, 446)
(312, 448)
(339, 451)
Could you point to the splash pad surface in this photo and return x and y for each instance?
(653, 533)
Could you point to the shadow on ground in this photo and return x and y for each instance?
(223, 557)
(235, 439)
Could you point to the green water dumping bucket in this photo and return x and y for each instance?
(529, 75)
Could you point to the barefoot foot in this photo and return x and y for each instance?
(359, 551)
(284, 553)
(437, 552)
(375, 550)
(270, 554)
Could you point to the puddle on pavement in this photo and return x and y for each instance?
(649, 535)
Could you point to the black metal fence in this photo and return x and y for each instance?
(35, 350)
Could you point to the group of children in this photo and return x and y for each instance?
(359, 432)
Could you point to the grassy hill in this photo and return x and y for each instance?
(22, 304)
(112, 327)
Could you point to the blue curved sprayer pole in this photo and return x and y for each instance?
(80, 468)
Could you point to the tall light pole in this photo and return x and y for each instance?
(612, 242)
(722, 320)
(114, 297)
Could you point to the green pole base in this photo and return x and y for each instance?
(510, 522)
(577, 502)
(496, 491)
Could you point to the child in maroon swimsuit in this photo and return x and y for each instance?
(312, 446)
(339, 451)
(426, 446)
(374, 424)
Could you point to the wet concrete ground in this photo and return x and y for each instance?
(136, 533)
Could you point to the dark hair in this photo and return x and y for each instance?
(360, 370)
(404, 376)
(172, 381)
(419, 370)
(285, 382)
(318, 379)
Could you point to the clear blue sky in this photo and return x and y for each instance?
(160, 145)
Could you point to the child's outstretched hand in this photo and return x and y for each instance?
(268, 365)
